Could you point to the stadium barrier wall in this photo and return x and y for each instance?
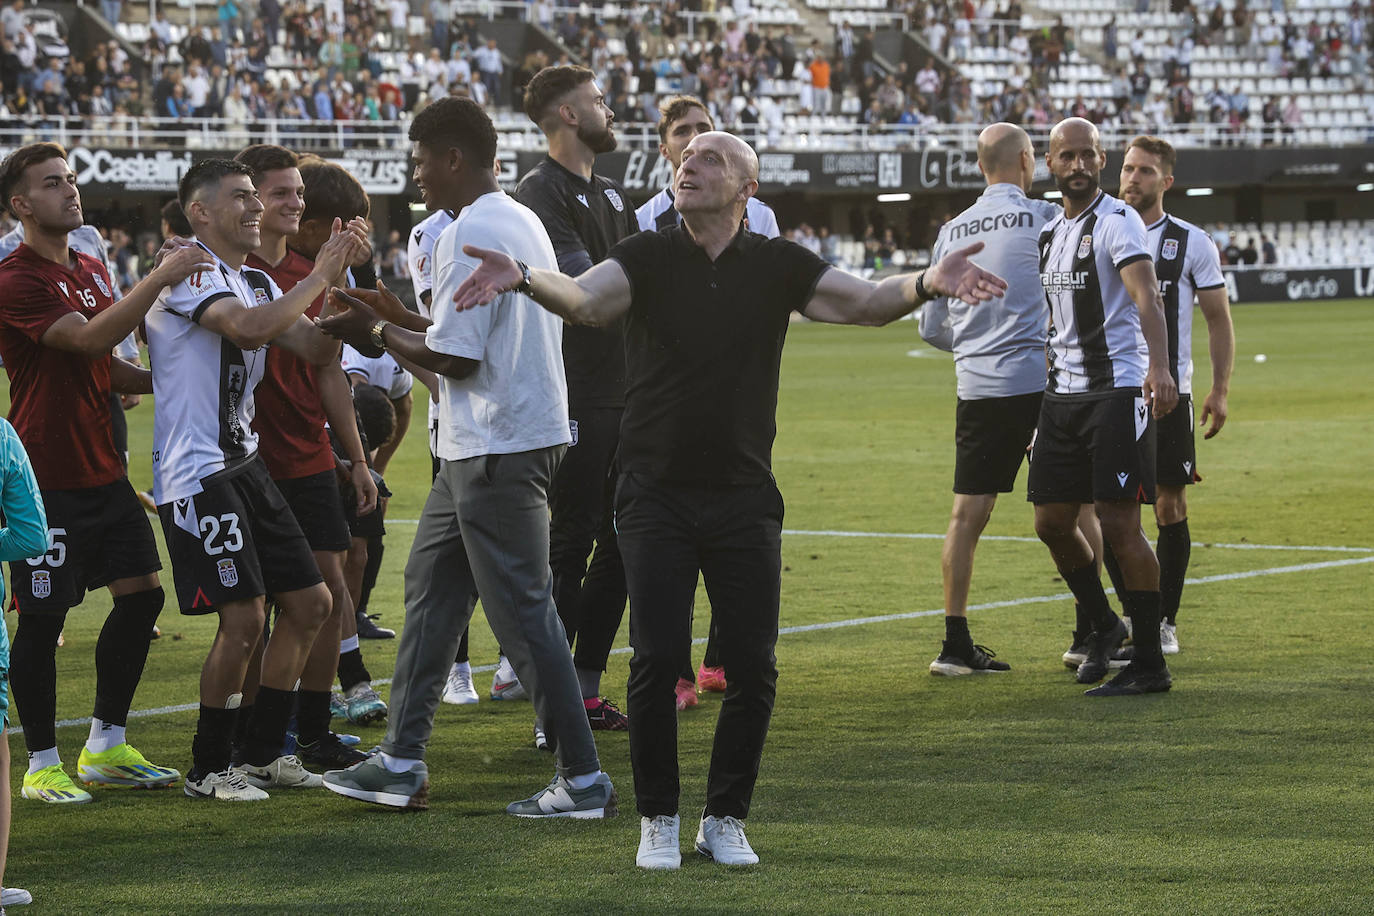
(1303, 284)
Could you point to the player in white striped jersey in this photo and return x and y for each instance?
(1188, 267)
(1109, 374)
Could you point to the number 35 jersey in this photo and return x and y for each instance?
(203, 383)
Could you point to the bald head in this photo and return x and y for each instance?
(1005, 154)
(1075, 132)
(744, 162)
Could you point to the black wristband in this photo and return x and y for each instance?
(523, 287)
(922, 294)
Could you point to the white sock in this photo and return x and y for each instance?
(349, 644)
(104, 736)
(41, 760)
(583, 780)
(463, 668)
(397, 764)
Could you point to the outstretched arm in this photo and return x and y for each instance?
(596, 297)
(842, 298)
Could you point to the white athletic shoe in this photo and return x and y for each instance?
(723, 839)
(1168, 638)
(15, 896)
(229, 785)
(286, 772)
(459, 690)
(505, 683)
(658, 843)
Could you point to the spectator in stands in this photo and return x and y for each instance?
(819, 69)
(1269, 253)
(1109, 39)
(111, 10)
(491, 66)
(1140, 84)
(1272, 117)
(1249, 255)
(1292, 118)
(1231, 253)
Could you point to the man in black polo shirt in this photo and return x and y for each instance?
(585, 214)
(706, 308)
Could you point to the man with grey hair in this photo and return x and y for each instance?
(706, 308)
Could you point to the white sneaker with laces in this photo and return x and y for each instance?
(1168, 638)
(15, 896)
(658, 843)
(228, 785)
(286, 772)
(458, 691)
(722, 839)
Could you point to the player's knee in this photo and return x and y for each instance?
(1171, 507)
(240, 631)
(1051, 527)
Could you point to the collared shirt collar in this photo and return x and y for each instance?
(1004, 189)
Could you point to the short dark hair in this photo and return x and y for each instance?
(205, 173)
(266, 157)
(376, 415)
(673, 107)
(176, 218)
(549, 85)
(1157, 146)
(17, 163)
(330, 191)
(456, 123)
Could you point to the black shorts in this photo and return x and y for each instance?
(236, 539)
(97, 535)
(1176, 458)
(990, 440)
(1087, 450)
(318, 506)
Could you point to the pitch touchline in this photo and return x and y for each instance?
(842, 624)
(1008, 537)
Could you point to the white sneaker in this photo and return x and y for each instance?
(722, 839)
(459, 690)
(286, 772)
(1168, 638)
(15, 896)
(505, 683)
(658, 842)
(229, 785)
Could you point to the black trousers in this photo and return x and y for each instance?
(732, 537)
(590, 596)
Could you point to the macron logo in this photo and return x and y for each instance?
(582, 199)
(1122, 478)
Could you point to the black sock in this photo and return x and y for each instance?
(352, 671)
(122, 651)
(956, 630)
(267, 732)
(312, 715)
(375, 548)
(214, 735)
(1175, 547)
(1114, 573)
(1082, 622)
(1144, 608)
(712, 657)
(462, 654)
(242, 723)
(33, 676)
(1086, 585)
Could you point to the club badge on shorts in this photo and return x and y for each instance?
(228, 573)
(572, 429)
(1085, 246)
(1169, 251)
(42, 583)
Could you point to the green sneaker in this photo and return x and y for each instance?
(123, 765)
(560, 799)
(54, 786)
(371, 781)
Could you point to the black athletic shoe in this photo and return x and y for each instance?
(1134, 681)
(329, 753)
(957, 660)
(1100, 649)
(369, 630)
(1078, 651)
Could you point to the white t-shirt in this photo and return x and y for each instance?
(382, 371)
(517, 400)
(202, 383)
(420, 255)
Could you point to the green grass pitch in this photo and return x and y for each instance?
(883, 790)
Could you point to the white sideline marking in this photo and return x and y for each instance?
(841, 624)
(924, 536)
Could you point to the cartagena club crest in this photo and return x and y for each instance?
(42, 583)
(228, 574)
(100, 285)
(1085, 247)
(614, 197)
(1170, 249)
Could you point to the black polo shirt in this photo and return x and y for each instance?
(703, 347)
(583, 219)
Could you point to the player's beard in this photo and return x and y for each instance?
(1144, 202)
(598, 141)
(1088, 192)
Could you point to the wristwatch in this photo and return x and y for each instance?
(378, 334)
(523, 287)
